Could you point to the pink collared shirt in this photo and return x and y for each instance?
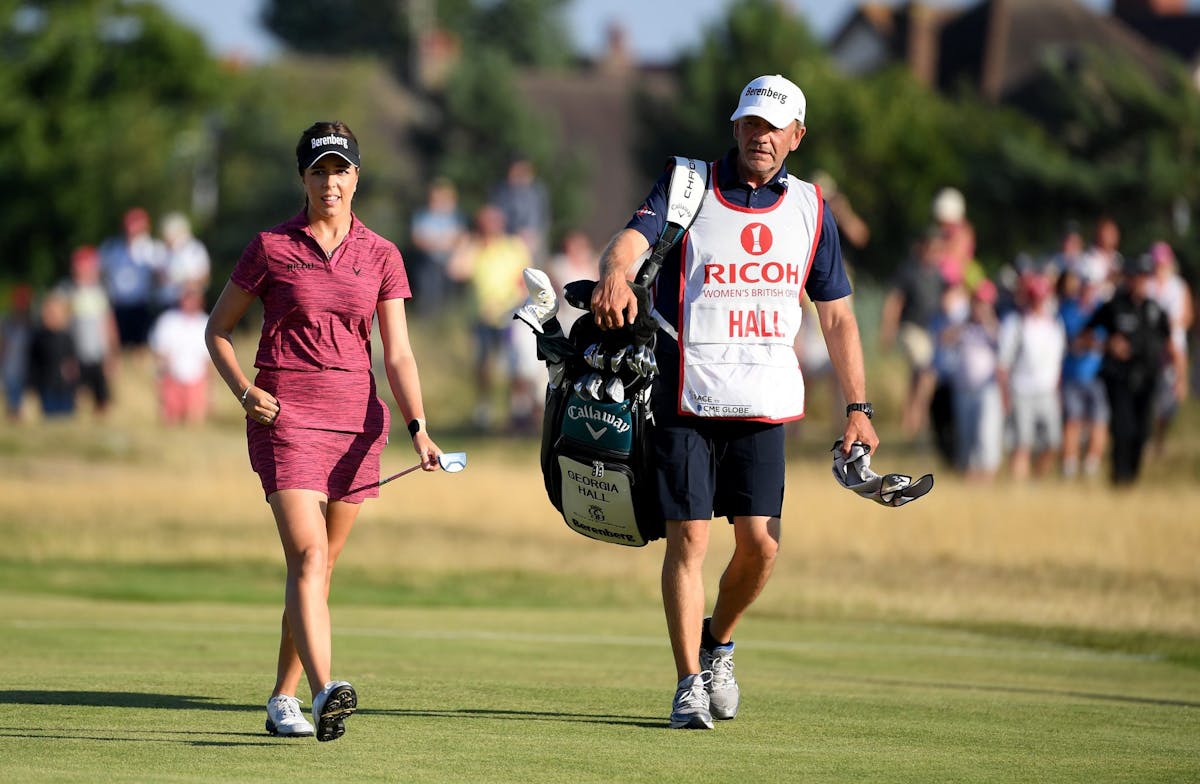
(317, 316)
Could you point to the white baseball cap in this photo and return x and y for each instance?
(773, 98)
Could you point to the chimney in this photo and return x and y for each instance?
(923, 29)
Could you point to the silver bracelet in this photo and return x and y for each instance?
(245, 392)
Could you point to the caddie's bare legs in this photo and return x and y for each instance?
(756, 545)
(683, 590)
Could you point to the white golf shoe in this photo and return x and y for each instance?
(689, 711)
(285, 719)
(723, 692)
(330, 708)
(542, 304)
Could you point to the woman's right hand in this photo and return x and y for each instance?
(260, 405)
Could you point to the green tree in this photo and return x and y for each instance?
(486, 123)
(528, 32)
(95, 98)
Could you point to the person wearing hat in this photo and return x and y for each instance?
(728, 304)
(1136, 342)
(315, 424)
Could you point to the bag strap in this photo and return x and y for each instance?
(689, 183)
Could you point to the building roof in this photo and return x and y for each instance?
(993, 47)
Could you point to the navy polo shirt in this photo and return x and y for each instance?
(826, 281)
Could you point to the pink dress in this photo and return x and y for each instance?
(314, 355)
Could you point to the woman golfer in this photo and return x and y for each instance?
(314, 423)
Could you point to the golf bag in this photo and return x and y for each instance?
(595, 455)
(595, 439)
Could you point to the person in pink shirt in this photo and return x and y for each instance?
(315, 424)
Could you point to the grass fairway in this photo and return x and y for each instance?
(135, 692)
(1009, 633)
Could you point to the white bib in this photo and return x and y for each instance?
(743, 276)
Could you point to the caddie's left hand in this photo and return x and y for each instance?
(426, 450)
(860, 429)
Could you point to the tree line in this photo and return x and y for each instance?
(109, 103)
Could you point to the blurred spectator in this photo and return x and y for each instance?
(438, 228)
(954, 310)
(491, 262)
(53, 369)
(1084, 400)
(1070, 253)
(523, 200)
(1137, 336)
(908, 311)
(978, 409)
(953, 242)
(1103, 259)
(577, 260)
(1171, 291)
(185, 262)
(1032, 345)
(93, 327)
(16, 331)
(131, 264)
(177, 341)
(851, 227)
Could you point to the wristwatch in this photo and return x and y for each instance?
(863, 407)
(416, 426)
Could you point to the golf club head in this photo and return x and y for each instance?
(593, 383)
(594, 356)
(452, 462)
(614, 361)
(614, 390)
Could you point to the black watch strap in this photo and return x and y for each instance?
(863, 407)
(416, 426)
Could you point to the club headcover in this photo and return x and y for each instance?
(578, 293)
(853, 472)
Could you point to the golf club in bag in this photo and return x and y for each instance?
(595, 455)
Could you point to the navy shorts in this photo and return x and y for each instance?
(718, 467)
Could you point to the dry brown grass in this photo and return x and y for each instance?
(1046, 555)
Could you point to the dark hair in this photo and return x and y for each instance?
(321, 129)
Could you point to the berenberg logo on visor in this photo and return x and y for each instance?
(340, 141)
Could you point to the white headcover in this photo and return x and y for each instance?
(854, 473)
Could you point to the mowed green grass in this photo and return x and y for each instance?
(134, 692)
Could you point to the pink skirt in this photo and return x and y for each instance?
(343, 466)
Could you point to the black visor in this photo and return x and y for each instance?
(332, 143)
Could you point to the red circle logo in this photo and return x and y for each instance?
(756, 239)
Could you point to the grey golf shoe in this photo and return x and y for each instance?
(285, 719)
(689, 711)
(723, 692)
(330, 708)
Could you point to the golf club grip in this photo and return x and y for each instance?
(671, 234)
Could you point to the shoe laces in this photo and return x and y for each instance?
(721, 668)
(695, 695)
(288, 707)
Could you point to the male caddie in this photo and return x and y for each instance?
(728, 304)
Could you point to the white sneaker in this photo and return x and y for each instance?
(723, 692)
(542, 303)
(689, 711)
(331, 706)
(285, 719)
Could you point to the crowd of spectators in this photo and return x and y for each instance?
(1053, 365)
(128, 297)
(1056, 364)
